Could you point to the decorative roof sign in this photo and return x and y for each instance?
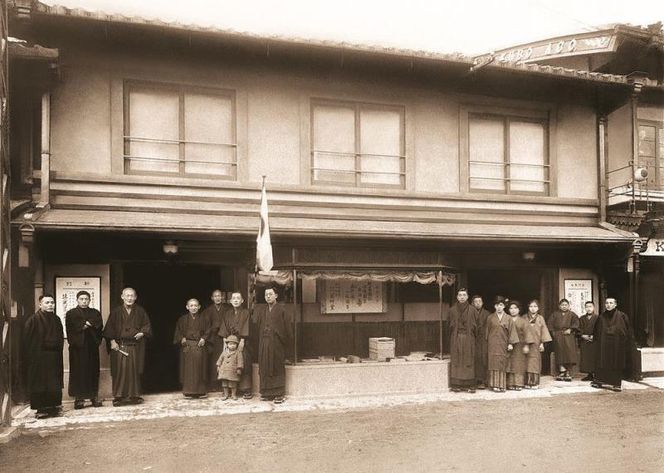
(559, 47)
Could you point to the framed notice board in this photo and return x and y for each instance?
(343, 296)
(578, 292)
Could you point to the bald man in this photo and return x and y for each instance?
(126, 329)
(192, 333)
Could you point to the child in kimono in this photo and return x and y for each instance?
(500, 336)
(516, 366)
(229, 368)
(540, 335)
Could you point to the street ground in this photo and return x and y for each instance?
(578, 430)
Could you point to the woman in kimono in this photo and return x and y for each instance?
(540, 335)
(516, 366)
(500, 336)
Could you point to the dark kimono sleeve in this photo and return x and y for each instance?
(110, 331)
(74, 322)
(179, 330)
(146, 327)
(574, 323)
(97, 324)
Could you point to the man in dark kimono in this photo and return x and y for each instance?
(463, 330)
(274, 338)
(235, 321)
(614, 338)
(192, 332)
(125, 332)
(215, 344)
(84, 326)
(586, 342)
(480, 342)
(43, 340)
(564, 325)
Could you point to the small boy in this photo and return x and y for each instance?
(229, 368)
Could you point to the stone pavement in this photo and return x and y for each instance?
(175, 405)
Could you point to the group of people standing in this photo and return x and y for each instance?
(213, 344)
(503, 350)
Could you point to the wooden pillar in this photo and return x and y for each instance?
(45, 196)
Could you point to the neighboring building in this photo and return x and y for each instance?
(384, 168)
(5, 243)
(635, 141)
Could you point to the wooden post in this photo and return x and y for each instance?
(602, 154)
(440, 312)
(45, 197)
(295, 316)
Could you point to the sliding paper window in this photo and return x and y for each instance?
(179, 131)
(508, 155)
(358, 145)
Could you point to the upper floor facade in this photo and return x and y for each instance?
(137, 123)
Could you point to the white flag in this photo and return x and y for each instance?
(263, 244)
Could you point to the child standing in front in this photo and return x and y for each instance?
(229, 368)
(540, 335)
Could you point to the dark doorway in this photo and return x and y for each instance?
(521, 285)
(163, 290)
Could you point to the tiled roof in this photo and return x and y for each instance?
(458, 58)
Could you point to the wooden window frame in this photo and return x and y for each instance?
(181, 90)
(659, 159)
(357, 108)
(542, 116)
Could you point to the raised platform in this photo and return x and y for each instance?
(366, 378)
(652, 360)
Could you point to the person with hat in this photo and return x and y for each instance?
(501, 336)
(229, 367)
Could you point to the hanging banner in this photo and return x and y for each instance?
(352, 297)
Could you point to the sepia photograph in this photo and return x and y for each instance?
(312, 236)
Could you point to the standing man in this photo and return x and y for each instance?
(588, 346)
(563, 325)
(43, 341)
(235, 321)
(192, 333)
(274, 338)
(614, 339)
(480, 342)
(463, 330)
(215, 344)
(84, 326)
(125, 332)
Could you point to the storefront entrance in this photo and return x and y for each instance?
(163, 290)
(514, 284)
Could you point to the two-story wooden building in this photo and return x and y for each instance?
(138, 150)
(635, 165)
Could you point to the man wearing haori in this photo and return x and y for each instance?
(463, 326)
(84, 326)
(43, 342)
(191, 333)
(125, 332)
(274, 337)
